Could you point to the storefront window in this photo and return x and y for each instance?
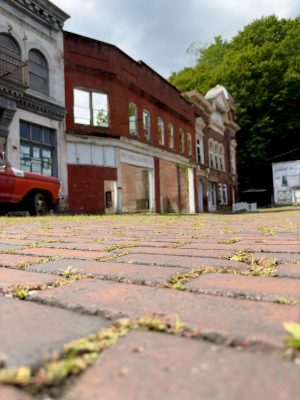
(37, 149)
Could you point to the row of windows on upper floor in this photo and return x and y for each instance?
(92, 108)
(14, 69)
(216, 155)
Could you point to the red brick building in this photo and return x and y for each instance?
(130, 134)
(134, 143)
(215, 130)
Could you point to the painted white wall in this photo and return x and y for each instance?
(287, 193)
(31, 35)
(192, 204)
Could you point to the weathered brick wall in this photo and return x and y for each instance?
(135, 188)
(173, 187)
(86, 187)
(184, 189)
(99, 66)
(168, 186)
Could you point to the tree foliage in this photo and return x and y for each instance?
(260, 67)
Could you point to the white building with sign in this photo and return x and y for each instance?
(286, 182)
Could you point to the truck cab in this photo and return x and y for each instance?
(21, 190)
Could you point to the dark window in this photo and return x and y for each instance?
(38, 72)
(36, 133)
(37, 149)
(10, 59)
(47, 136)
(24, 131)
(108, 199)
(284, 181)
(8, 45)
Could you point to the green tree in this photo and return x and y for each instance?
(260, 67)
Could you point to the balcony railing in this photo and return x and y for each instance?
(13, 70)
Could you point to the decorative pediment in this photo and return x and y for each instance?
(44, 11)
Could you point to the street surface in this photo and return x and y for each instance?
(166, 307)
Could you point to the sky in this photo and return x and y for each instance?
(159, 32)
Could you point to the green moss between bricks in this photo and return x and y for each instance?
(119, 246)
(230, 241)
(293, 328)
(263, 267)
(77, 355)
(68, 276)
(112, 257)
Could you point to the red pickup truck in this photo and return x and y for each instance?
(26, 191)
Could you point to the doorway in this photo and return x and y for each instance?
(200, 196)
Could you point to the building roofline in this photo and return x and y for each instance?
(42, 10)
(139, 63)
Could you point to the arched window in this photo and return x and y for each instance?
(211, 154)
(221, 158)
(38, 72)
(10, 59)
(189, 144)
(216, 156)
(171, 135)
(181, 141)
(9, 46)
(133, 119)
(161, 131)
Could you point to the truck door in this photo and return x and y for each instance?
(6, 181)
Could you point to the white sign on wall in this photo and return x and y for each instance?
(139, 160)
(91, 154)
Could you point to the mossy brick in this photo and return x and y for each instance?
(149, 366)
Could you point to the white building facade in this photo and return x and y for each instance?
(286, 182)
(32, 95)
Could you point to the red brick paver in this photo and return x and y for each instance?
(10, 277)
(236, 348)
(17, 261)
(243, 286)
(155, 366)
(32, 333)
(249, 320)
(143, 274)
(10, 393)
(66, 253)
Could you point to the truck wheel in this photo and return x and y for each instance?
(39, 204)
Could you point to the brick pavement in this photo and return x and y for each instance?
(233, 342)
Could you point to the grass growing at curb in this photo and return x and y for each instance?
(77, 355)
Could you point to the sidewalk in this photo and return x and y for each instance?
(167, 307)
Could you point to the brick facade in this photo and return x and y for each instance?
(96, 67)
(119, 115)
(157, 172)
(86, 187)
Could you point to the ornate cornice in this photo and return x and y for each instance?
(10, 91)
(7, 111)
(44, 11)
(42, 107)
